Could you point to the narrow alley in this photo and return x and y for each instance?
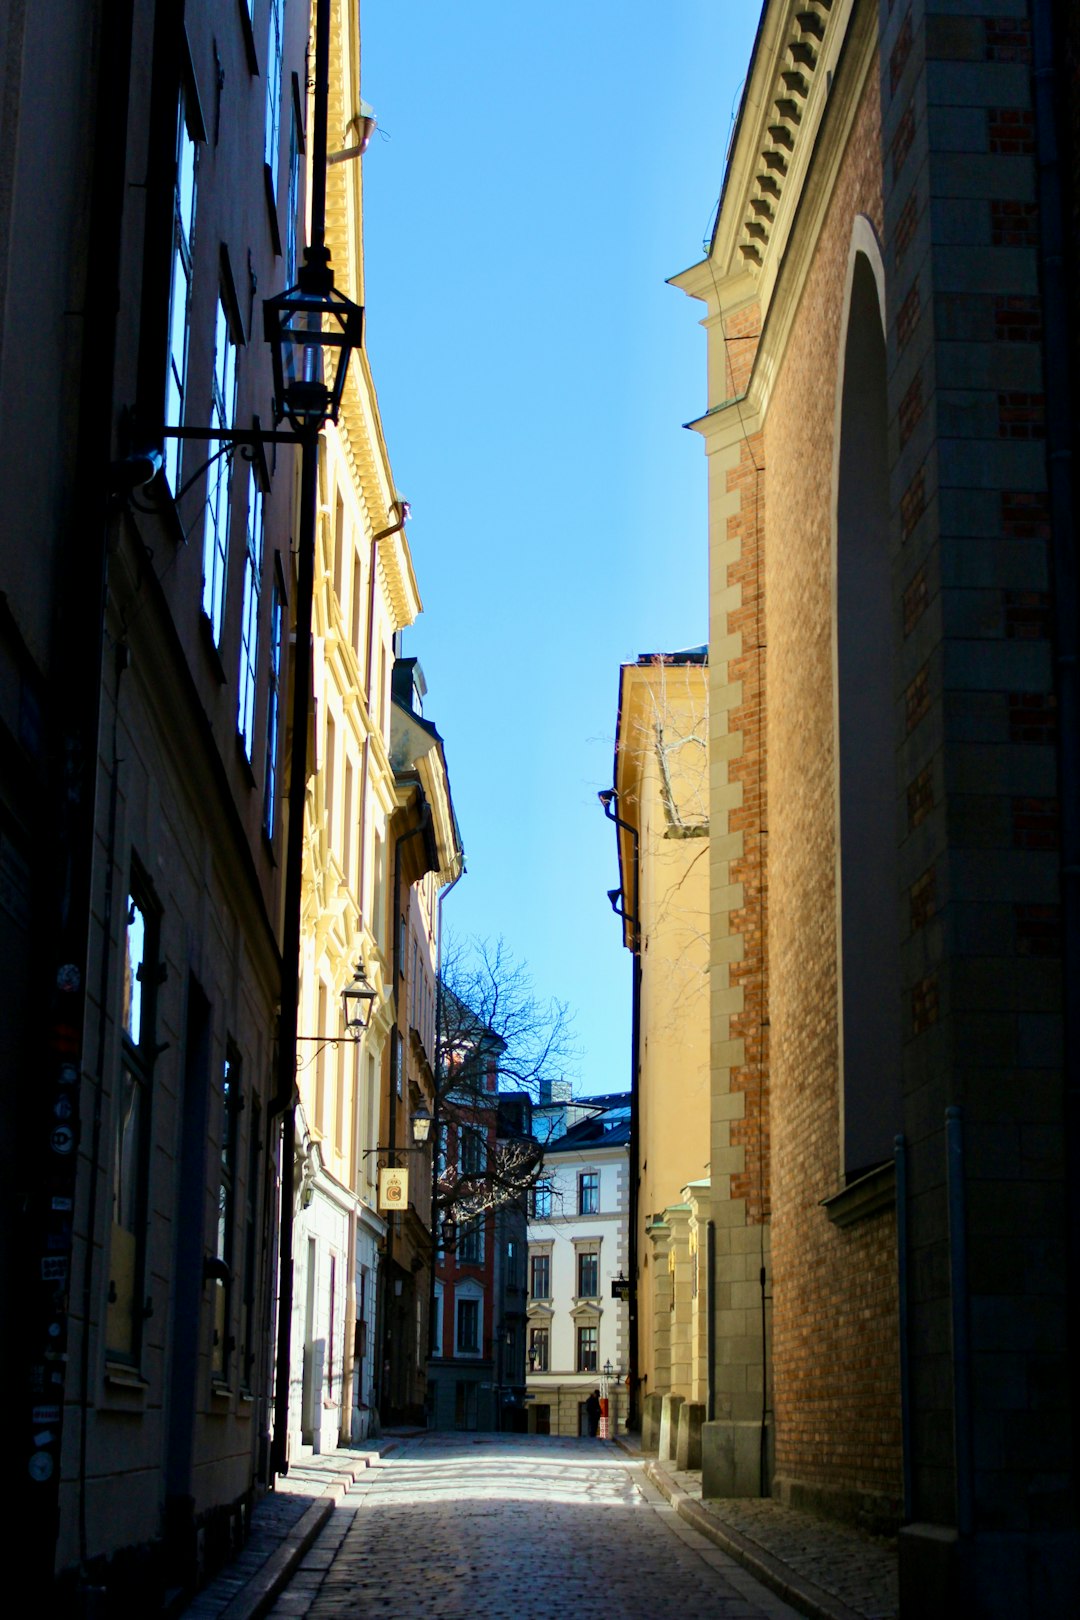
(515, 1527)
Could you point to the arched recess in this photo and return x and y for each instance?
(868, 943)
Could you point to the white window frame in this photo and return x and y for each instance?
(249, 618)
(184, 199)
(219, 487)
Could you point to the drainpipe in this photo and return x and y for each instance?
(1050, 98)
(608, 797)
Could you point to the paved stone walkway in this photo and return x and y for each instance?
(508, 1527)
(832, 1571)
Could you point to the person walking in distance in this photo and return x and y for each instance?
(592, 1413)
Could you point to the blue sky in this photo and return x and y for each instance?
(541, 170)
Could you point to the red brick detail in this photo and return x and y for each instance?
(898, 57)
(1027, 615)
(1025, 515)
(905, 227)
(1035, 823)
(1021, 415)
(1017, 320)
(911, 408)
(1010, 131)
(916, 600)
(913, 504)
(750, 870)
(917, 699)
(1032, 717)
(920, 798)
(923, 898)
(1013, 224)
(1038, 930)
(901, 141)
(924, 1004)
(1008, 39)
(907, 316)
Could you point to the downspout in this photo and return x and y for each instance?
(1050, 102)
(710, 1323)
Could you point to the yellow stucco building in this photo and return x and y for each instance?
(661, 808)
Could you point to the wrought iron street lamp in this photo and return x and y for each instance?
(357, 1000)
(312, 329)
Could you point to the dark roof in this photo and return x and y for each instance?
(609, 1126)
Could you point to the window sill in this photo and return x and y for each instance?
(119, 1376)
(872, 1194)
(219, 1391)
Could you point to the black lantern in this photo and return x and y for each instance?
(311, 329)
(356, 1002)
(421, 1126)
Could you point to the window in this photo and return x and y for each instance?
(587, 1348)
(468, 1326)
(131, 1130)
(272, 702)
(540, 1276)
(274, 57)
(511, 1273)
(589, 1192)
(292, 221)
(470, 1247)
(471, 1148)
(180, 290)
(249, 621)
(251, 1248)
(216, 527)
(588, 1274)
(539, 1349)
(541, 1200)
(226, 1217)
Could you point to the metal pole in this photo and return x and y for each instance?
(961, 1349)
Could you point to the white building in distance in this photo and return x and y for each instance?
(578, 1235)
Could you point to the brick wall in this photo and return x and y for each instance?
(835, 1290)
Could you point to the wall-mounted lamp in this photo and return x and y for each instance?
(357, 1000)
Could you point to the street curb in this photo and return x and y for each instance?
(265, 1586)
(803, 1594)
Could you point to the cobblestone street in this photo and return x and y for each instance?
(515, 1527)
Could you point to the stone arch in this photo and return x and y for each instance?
(867, 869)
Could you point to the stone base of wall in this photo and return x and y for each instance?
(564, 1402)
(872, 1511)
(731, 1459)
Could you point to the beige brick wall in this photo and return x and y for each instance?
(835, 1329)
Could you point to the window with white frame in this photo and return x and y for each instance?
(541, 1201)
(180, 289)
(273, 699)
(588, 1273)
(249, 618)
(539, 1349)
(540, 1275)
(588, 1337)
(589, 1192)
(275, 53)
(216, 527)
(470, 1244)
(292, 220)
(468, 1327)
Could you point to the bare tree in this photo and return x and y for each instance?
(498, 1045)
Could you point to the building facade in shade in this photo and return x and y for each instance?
(890, 430)
(424, 857)
(145, 657)
(578, 1238)
(476, 1374)
(660, 806)
(365, 596)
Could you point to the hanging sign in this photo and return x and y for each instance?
(393, 1189)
